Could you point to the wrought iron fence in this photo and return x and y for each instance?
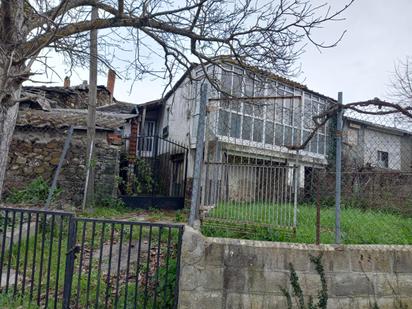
(157, 170)
(56, 260)
(255, 145)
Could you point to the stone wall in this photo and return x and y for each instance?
(229, 273)
(36, 153)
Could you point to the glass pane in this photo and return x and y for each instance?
(237, 83)
(304, 138)
(296, 137)
(248, 86)
(235, 105)
(226, 79)
(321, 147)
(270, 111)
(247, 128)
(258, 110)
(279, 135)
(235, 125)
(278, 111)
(297, 113)
(307, 120)
(269, 132)
(288, 136)
(260, 86)
(248, 108)
(223, 128)
(258, 130)
(314, 144)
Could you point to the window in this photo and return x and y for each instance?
(235, 125)
(383, 159)
(258, 130)
(223, 123)
(353, 136)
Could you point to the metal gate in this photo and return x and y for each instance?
(56, 260)
(262, 195)
(157, 176)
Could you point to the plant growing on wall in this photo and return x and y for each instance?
(140, 179)
(297, 292)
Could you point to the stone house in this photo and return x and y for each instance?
(41, 131)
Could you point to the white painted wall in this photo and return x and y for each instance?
(380, 141)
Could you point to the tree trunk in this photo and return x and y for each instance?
(12, 74)
(8, 116)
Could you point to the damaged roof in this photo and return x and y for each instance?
(62, 118)
(119, 107)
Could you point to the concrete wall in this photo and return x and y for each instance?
(229, 273)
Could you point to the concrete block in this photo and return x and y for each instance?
(214, 254)
(244, 301)
(402, 262)
(200, 300)
(361, 261)
(234, 279)
(211, 278)
(383, 262)
(351, 285)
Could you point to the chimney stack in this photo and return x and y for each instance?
(66, 83)
(111, 78)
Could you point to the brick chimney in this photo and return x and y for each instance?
(66, 83)
(111, 78)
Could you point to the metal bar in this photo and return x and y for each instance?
(108, 283)
(80, 268)
(59, 245)
(59, 166)
(18, 253)
(99, 268)
(194, 206)
(49, 258)
(119, 260)
(3, 243)
(139, 248)
(339, 127)
(147, 267)
(178, 253)
(157, 268)
(69, 268)
(128, 267)
(90, 264)
(13, 220)
(36, 229)
(26, 254)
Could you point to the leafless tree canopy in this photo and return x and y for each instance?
(267, 34)
(401, 86)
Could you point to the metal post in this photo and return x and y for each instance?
(70, 257)
(59, 166)
(339, 126)
(200, 141)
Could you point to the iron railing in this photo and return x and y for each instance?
(56, 260)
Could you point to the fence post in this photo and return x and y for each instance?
(339, 127)
(200, 142)
(70, 256)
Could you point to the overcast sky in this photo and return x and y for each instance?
(378, 34)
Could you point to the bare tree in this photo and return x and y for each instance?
(267, 34)
(401, 87)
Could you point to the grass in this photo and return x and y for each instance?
(100, 288)
(358, 226)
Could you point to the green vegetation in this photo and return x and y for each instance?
(358, 226)
(297, 291)
(35, 192)
(154, 275)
